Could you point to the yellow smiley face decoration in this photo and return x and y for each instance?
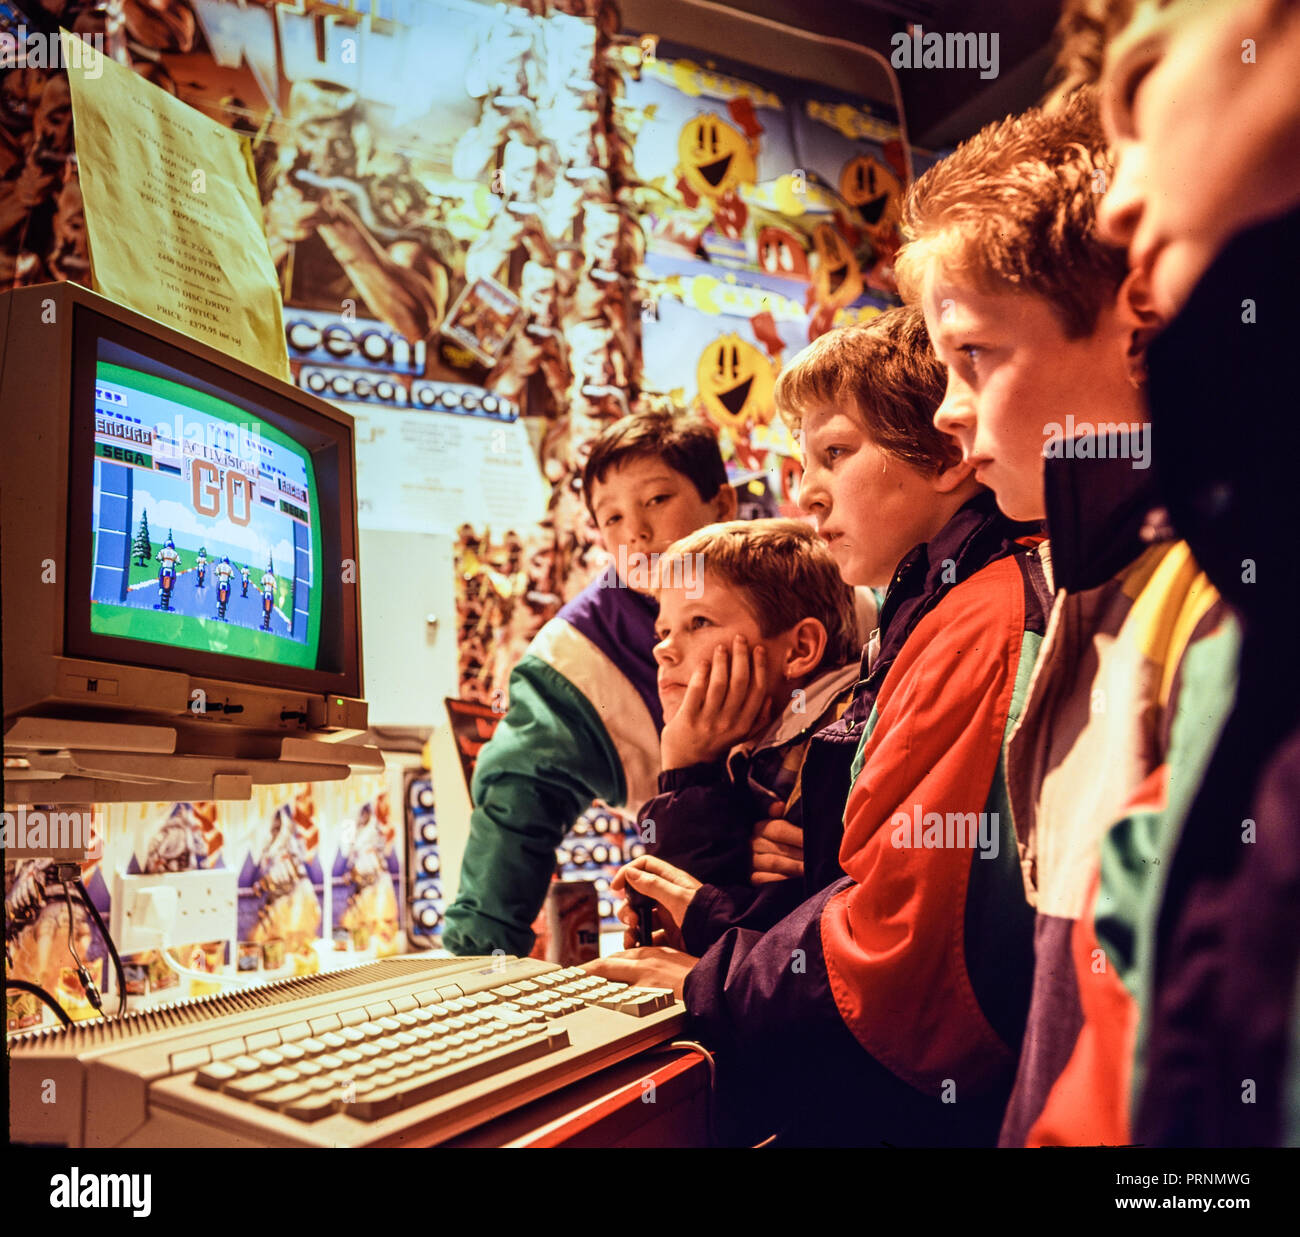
(877, 193)
(735, 381)
(715, 157)
(839, 277)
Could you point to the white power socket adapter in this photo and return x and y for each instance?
(184, 907)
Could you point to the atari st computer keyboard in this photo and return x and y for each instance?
(407, 1051)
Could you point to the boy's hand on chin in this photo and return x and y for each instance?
(650, 966)
(724, 701)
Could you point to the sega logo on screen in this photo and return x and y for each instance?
(361, 388)
(316, 336)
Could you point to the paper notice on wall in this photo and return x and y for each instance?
(172, 212)
(433, 471)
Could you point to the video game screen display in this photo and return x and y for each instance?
(205, 522)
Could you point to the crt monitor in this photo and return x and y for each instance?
(179, 529)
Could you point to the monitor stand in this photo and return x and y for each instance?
(65, 761)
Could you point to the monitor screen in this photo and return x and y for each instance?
(221, 512)
(211, 518)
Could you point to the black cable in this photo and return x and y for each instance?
(37, 991)
(108, 940)
(87, 981)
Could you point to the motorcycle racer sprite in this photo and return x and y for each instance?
(170, 562)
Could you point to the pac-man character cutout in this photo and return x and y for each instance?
(715, 157)
(735, 382)
(838, 281)
(782, 252)
(869, 185)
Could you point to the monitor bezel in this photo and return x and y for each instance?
(327, 440)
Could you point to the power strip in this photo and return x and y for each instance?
(206, 908)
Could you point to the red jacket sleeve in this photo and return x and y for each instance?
(895, 940)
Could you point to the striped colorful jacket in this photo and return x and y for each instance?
(889, 1006)
(1116, 698)
(583, 724)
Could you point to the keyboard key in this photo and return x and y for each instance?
(311, 1046)
(309, 1069)
(244, 1065)
(352, 1017)
(639, 1003)
(331, 1060)
(286, 1073)
(294, 1031)
(405, 1038)
(291, 1052)
(402, 1003)
(282, 1095)
(514, 1017)
(421, 1052)
(215, 1075)
(400, 1058)
(407, 1020)
(190, 1058)
(322, 1084)
(228, 1048)
(525, 985)
(507, 992)
(367, 1069)
(332, 1040)
(424, 1015)
(387, 1044)
(369, 1050)
(249, 1086)
(482, 998)
(269, 1057)
(349, 1056)
(352, 1035)
(554, 1007)
(330, 1022)
(370, 1029)
(261, 1039)
(389, 1024)
(379, 1009)
(311, 1108)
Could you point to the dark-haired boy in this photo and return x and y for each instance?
(584, 716)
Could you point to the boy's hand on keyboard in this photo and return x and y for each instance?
(777, 849)
(651, 966)
(725, 700)
(668, 887)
